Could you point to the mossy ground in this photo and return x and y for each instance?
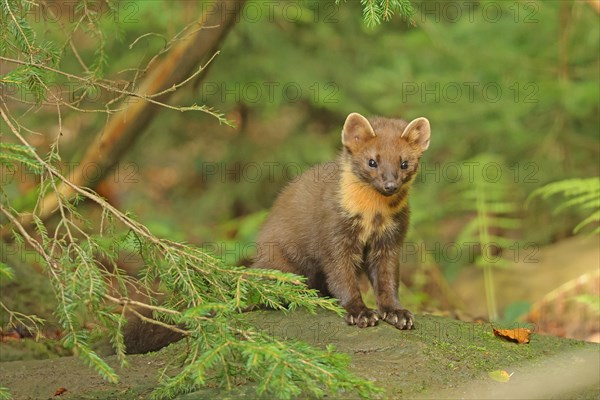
(442, 357)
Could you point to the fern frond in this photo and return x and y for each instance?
(569, 187)
(593, 218)
(487, 199)
(581, 194)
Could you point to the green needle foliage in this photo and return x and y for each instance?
(18, 37)
(201, 294)
(202, 298)
(580, 194)
(12, 154)
(6, 272)
(377, 11)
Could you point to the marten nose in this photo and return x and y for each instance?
(390, 186)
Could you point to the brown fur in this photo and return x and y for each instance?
(331, 227)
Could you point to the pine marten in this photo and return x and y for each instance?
(342, 219)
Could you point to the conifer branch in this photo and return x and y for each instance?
(201, 297)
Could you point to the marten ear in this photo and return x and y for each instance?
(356, 131)
(418, 131)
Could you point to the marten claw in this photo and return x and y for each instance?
(401, 319)
(363, 319)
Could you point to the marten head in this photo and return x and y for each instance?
(385, 152)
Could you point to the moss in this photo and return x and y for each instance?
(441, 358)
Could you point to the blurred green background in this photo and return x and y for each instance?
(511, 89)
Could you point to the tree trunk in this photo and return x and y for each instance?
(125, 126)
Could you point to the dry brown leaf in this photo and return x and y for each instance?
(518, 335)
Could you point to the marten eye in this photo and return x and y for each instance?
(372, 163)
(404, 165)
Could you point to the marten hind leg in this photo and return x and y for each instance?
(275, 259)
(271, 257)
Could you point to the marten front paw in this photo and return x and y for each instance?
(400, 318)
(363, 319)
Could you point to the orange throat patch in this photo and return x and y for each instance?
(375, 210)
